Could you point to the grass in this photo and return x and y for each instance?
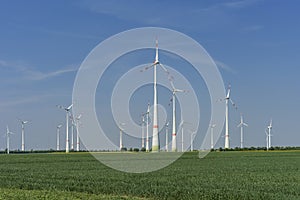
(220, 175)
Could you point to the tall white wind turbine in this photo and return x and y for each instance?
(77, 132)
(67, 124)
(227, 99)
(8, 133)
(23, 122)
(155, 136)
(174, 133)
(241, 125)
(57, 136)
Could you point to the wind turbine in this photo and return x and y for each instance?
(121, 135)
(67, 124)
(7, 138)
(77, 132)
(269, 134)
(241, 125)
(23, 122)
(174, 90)
(155, 137)
(57, 136)
(212, 126)
(147, 128)
(227, 99)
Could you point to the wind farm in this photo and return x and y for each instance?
(151, 137)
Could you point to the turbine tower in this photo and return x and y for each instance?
(174, 90)
(7, 138)
(72, 130)
(143, 131)
(181, 125)
(147, 128)
(267, 138)
(67, 124)
(227, 99)
(57, 136)
(167, 136)
(23, 122)
(193, 133)
(241, 125)
(269, 134)
(121, 135)
(77, 132)
(212, 126)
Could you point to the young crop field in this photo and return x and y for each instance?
(220, 175)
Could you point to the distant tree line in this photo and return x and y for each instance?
(131, 149)
(257, 148)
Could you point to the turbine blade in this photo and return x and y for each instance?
(164, 68)
(70, 107)
(178, 90)
(146, 68)
(228, 92)
(233, 104)
(79, 116)
(170, 101)
(61, 107)
(181, 123)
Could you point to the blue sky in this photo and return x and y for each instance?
(255, 43)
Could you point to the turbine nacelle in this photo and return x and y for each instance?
(242, 123)
(59, 126)
(212, 125)
(23, 122)
(67, 109)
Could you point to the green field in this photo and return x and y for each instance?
(220, 175)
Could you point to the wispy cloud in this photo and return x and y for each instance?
(239, 3)
(208, 16)
(68, 34)
(37, 75)
(224, 67)
(29, 73)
